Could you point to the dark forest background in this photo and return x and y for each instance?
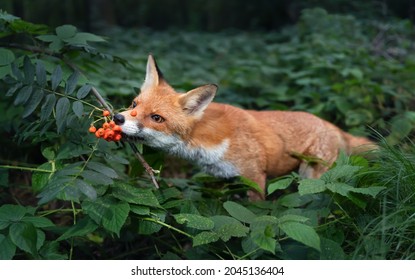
(202, 15)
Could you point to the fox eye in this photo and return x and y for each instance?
(134, 104)
(157, 118)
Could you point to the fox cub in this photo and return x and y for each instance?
(227, 141)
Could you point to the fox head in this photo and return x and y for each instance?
(159, 116)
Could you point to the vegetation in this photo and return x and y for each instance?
(66, 194)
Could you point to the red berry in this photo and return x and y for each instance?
(106, 113)
(92, 129)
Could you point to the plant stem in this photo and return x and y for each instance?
(167, 226)
(146, 166)
(26, 168)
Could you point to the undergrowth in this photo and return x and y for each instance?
(68, 195)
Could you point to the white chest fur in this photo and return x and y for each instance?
(211, 159)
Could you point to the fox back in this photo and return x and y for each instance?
(227, 141)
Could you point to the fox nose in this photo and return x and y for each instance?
(119, 119)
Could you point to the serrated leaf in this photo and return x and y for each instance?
(28, 70)
(12, 213)
(6, 57)
(62, 108)
(301, 233)
(339, 172)
(53, 188)
(47, 107)
(141, 196)
(86, 189)
(101, 168)
(33, 102)
(239, 212)
(7, 248)
(340, 188)
(110, 213)
(39, 178)
(16, 72)
(311, 186)
(331, 250)
(50, 251)
(65, 31)
(140, 210)
(47, 38)
(227, 227)
(39, 222)
(23, 95)
(82, 228)
(40, 74)
(56, 77)
(149, 227)
(264, 242)
(71, 83)
(82, 38)
(279, 185)
(205, 237)
(13, 89)
(194, 221)
(78, 109)
(372, 191)
(24, 236)
(292, 218)
(96, 178)
(83, 91)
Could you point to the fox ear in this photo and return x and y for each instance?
(154, 77)
(195, 101)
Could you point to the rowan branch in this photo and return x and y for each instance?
(140, 157)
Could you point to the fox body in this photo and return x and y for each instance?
(227, 141)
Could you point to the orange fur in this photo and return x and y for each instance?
(229, 141)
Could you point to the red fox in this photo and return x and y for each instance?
(226, 141)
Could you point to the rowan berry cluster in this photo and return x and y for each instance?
(109, 130)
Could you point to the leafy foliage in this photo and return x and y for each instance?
(81, 197)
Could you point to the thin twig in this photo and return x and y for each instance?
(140, 157)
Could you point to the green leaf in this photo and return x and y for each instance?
(141, 196)
(34, 101)
(340, 188)
(47, 38)
(6, 57)
(227, 227)
(83, 91)
(78, 109)
(280, 185)
(71, 83)
(101, 168)
(24, 236)
(301, 233)
(82, 38)
(96, 178)
(239, 212)
(86, 189)
(331, 250)
(140, 210)
(339, 172)
(39, 178)
(311, 186)
(65, 31)
(194, 221)
(11, 213)
(50, 251)
(149, 227)
(56, 77)
(62, 108)
(264, 242)
(28, 70)
(81, 228)
(40, 73)
(204, 238)
(23, 95)
(7, 248)
(372, 191)
(47, 107)
(110, 213)
(39, 222)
